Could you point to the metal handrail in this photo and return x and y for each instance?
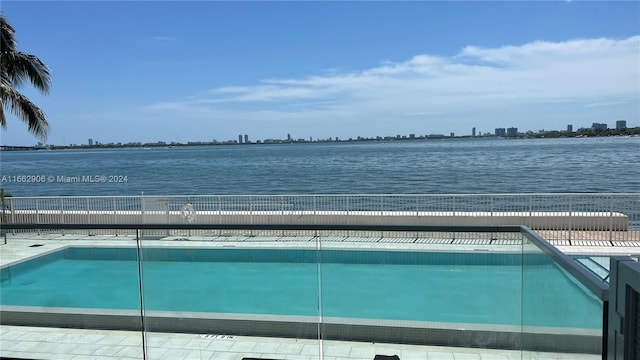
(337, 194)
(345, 227)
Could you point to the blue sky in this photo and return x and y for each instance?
(197, 71)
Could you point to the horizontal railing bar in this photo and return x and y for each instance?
(350, 227)
(596, 285)
(325, 195)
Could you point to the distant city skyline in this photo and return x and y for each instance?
(197, 71)
(245, 139)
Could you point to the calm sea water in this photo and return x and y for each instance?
(406, 167)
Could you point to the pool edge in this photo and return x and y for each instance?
(308, 327)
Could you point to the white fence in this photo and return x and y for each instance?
(557, 216)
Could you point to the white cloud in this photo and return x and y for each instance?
(534, 77)
(607, 103)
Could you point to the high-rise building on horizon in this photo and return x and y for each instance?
(512, 131)
(473, 132)
(240, 139)
(621, 125)
(502, 132)
(90, 141)
(246, 138)
(599, 126)
(569, 128)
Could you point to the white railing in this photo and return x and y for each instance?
(601, 217)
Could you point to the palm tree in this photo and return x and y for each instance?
(15, 68)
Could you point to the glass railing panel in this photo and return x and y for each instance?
(596, 264)
(67, 295)
(560, 316)
(420, 294)
(230, 294)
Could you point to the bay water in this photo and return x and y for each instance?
(446, 166)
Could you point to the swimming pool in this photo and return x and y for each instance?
(459, 289)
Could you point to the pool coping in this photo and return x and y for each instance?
(506, 337)
(205, 245)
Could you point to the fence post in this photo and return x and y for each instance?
(37, 214)
(168, 215)
(219, 213)
(610, 217)
(251, 218)
(282, 204)
(282, 212)
(348, 204)
(140, 233)
(142, 207)
(530, 210)
(88, 215)
(491, 205)
(570, 215)
(4, 219)
(115, 217)
(13, 213)
(453, 200)
(62, 214)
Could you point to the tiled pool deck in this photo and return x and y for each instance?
(75, 344)
(79, 344)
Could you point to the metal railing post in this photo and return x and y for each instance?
(251, 217)
(348, 204)
(168, 214)
(453, 201)
(530, 210)
(611, 218)
(62, 214)
(88, 214)
(570, 215)
(37, 214)
(4, 218)
(282, 204)
(115, 217)
(13, 213)
(491, 205)
(314, 204)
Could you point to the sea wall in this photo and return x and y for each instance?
(587, 221)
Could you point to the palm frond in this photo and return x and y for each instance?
(7, 37)
(17, 67)
(25, 110)
(3, 121)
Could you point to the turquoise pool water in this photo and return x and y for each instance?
(477, 288)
